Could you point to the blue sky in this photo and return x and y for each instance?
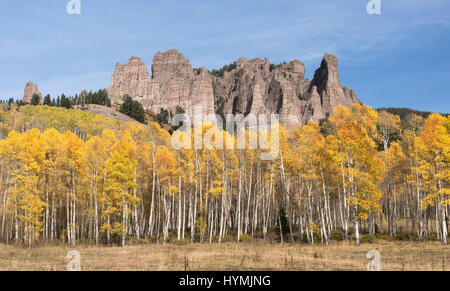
(398, 58)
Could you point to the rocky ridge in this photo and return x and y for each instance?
(174, 84)
(248, 87)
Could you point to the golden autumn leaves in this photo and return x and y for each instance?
(86, 178)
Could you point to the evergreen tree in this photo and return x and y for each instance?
(282, 227)
(47, 100)
(163, 117)
(35, 100)
(65, 102)
(133, 109)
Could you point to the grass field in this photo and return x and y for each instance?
(231, 257)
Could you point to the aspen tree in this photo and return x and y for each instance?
(53, 140)
(92, 179)
(434, 159)
(119, 184)
(28, 185)
(389, 127)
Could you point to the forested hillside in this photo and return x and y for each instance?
(76, 177)
(404, 112)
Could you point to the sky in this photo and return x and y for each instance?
(399, 58)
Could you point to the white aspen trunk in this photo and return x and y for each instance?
(124, 226)
(325, 219)
(310, 218)
(68, 217)
(53, 224)
(73, 209)
(46, 208)
(137, 229)
(222, 208)
(189, 222)
(436, 220)
(346, 208)
(172, 209)
(166, 227)
(150, 218)
(96, 234)
(286, 191)
(158, 213)
(407, 214)
(341, 210)
(108, 232)
(239, 207)
(194, 212)
(247, 214)
(281, 229)
(443, 217)
(357, 231)
(183, 231)
(5, 202)
(324, 231)
(179, 208)
(212, 207)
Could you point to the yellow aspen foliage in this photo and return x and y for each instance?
(119, 185)
(433, 146)
(78, 177)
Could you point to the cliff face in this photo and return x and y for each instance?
(326, 92)
(132, 79)
(177, 85)
(30, 90)
(249, 87)
(253, 88)
(173, 84)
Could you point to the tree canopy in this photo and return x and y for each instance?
(133, 109)
(76, 177)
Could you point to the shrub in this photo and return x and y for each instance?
(337, 235)
(302, 97)
(139, 241)
(272, 237)
(274, 66)
(182, 242)
(246, 238)
(383, 236)
(402, 237)
(414, 237)
(228, 239)
(367, 238)
(219, 108)
(226, 68)
(163, 117)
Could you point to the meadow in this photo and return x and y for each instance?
(254, 256)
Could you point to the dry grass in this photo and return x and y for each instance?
(106, 111)
(231, 256)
